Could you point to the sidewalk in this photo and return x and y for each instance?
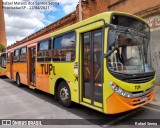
(156, 100)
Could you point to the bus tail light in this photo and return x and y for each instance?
(120, 91)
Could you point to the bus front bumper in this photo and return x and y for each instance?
(118, 104)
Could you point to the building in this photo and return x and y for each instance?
(147, 9)
(2, 27)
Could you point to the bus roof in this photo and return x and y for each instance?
(105, 16)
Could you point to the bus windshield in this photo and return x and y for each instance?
(130, 22)
(132, 54)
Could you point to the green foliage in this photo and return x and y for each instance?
(2, 48)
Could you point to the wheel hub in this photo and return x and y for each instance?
(18, 81)
(64, 93)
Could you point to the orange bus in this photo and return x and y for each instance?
(102, 62)
(2, 64)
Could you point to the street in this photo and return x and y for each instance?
(25, 103)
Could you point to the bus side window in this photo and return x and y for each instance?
(16, 56)
(8, 57)
(64, 47)
(23, 54)
(44, 54)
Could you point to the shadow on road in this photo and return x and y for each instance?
(88, 114)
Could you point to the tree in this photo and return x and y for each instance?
(2, 48)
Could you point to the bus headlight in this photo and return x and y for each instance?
(120, 91)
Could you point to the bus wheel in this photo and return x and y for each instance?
(64, 94)
(18, 82)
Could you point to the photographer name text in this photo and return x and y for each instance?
(28, 4)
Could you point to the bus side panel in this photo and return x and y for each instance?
(45, 83)
(2, 71)
(14, 70)
(20, 68)
(42, 77)
(23, 73)
(65, 70)
(8, 73)
(107, 91)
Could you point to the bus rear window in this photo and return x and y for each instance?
(130, 22)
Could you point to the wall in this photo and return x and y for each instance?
(154, 22)
(133, 6)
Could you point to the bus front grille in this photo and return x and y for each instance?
(139, 80)
(142, 99)
(142, 93)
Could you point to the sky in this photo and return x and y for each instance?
(20, 23)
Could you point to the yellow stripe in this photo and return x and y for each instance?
(87, 100)
(32, 87)
(91, 106)
(98, 104)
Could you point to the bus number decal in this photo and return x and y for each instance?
(76, 78)
(137, 87)
(47, 69)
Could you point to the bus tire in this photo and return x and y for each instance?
(18, 81)
(64, 95)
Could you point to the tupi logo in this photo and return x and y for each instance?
(47, 69)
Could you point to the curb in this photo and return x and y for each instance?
(153, 104)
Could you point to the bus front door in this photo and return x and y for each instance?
(32, 55)
(92, 68)
(11, 65)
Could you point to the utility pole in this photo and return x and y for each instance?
(80, 10)
(2, 26)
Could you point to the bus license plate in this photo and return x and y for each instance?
(143, 99)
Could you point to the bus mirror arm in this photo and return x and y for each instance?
(110, 52)
(110, 25)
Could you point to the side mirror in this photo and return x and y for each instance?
(110, 52)
(114, 48)
(111, 38)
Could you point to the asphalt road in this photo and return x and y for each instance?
(25, 103)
